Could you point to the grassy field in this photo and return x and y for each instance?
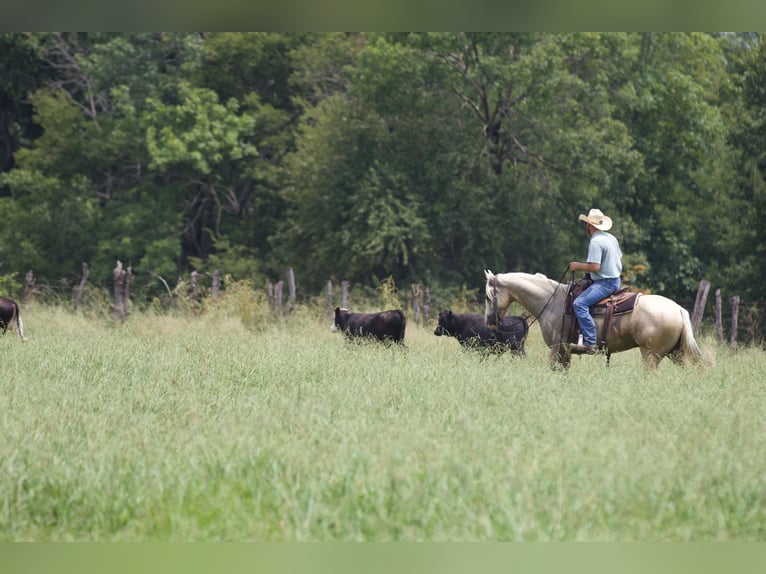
(201, 429)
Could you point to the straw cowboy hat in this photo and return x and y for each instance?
(597, 220)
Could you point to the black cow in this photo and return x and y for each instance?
(472, 332)
(383, 326)
(9, 313)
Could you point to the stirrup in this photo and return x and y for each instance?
(577, 349)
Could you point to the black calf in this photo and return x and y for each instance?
(472, 332)
(383, 326)
(9, 313)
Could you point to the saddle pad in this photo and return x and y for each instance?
(623, 301)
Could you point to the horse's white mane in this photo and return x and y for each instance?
(537, 275)
(539, 278)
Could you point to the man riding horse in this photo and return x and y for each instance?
(604, 265)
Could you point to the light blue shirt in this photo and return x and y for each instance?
(605, 250)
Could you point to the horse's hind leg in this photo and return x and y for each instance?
(650, 358)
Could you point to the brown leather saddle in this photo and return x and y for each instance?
(618, 303)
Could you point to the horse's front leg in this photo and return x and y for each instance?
(559, 357)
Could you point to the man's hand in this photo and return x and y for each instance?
(587, 267)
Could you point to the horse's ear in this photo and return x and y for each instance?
(487, 273)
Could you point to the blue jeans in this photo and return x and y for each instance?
(581, 306)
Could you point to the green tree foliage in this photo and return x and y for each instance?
(741, 229)
(196, 147)
(20, 73)
(676, 123)
(548, 137)
(162, 160)
(257, 71)
(415, 157)
(92, 156)
(373, 180)
(464, 149)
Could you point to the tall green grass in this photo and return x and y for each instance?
(216, 427)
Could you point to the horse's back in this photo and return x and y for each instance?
(660, 308)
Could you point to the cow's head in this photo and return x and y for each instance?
(341, 319)
(445, 326)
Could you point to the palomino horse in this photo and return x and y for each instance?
(658, 326)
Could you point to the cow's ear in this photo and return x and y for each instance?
(449, 313)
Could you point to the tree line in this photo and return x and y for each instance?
(424, 157)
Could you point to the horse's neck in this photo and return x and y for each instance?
(531, 291)
(540, 296)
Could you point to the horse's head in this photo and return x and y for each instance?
(497, 301)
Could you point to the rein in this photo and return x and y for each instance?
(534, 317)
(562, 337)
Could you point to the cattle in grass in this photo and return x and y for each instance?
(385, 326)
(472, 332)
(9, 314)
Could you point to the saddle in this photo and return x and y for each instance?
(620, 302)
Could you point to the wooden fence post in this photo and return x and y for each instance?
(699, 304)
(718, 321)
(29, 286)
(119, 291)
(278, 294)
(751, 322)
(81, 287)
(427, 305)
(192, 291)
(329, 298)
(193, 285)
(216, 283)
(290, 289)
(734, 320)
(344, 294)
(416, 301)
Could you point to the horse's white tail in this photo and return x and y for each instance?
(690, 350)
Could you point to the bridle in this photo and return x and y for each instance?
(493, 283)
